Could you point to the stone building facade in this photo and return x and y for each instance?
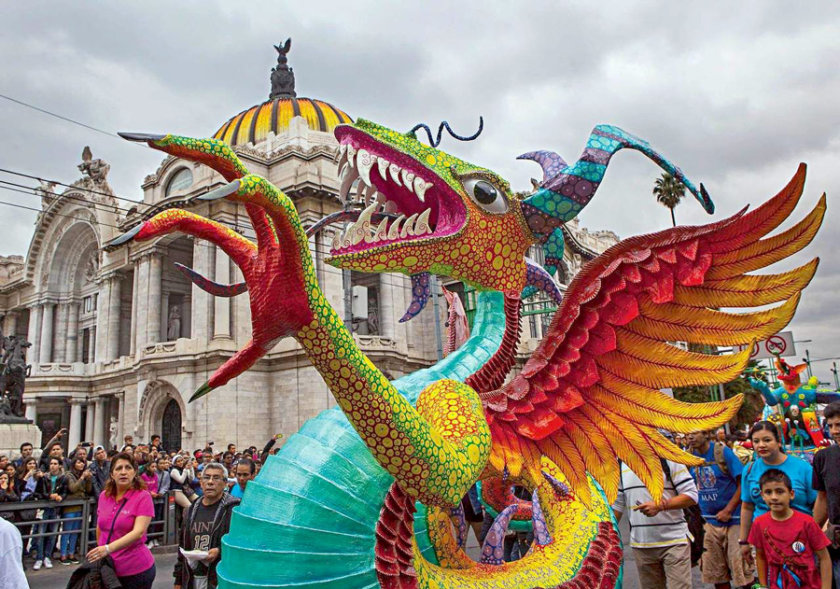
(121, 338)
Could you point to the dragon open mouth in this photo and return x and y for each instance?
(403, 200)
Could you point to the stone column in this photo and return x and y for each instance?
(75, 433)
(112, 350)
(103, 307)
(31, 410)
(141, 270)
(221, 324)
(34, 333)
(71, 349)
(10, 320)
(99, 433)
(45, 354)
(134, 299)
(153, 305)
(386, 306)
(62, 318)
(90, 416)
(202, 307)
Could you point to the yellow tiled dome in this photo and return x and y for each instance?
(253, 124)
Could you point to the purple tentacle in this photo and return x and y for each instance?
(560, 489)
(541, 535)
(550, 162)
(420, 292)
(539, 278)
(461, 528)
(493, 551)
(207, 285)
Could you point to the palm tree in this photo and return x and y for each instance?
(669, 192)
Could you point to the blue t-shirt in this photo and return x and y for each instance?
(237, 491)
(800, 473)
(715, 488)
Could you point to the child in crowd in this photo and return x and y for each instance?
(787, 541)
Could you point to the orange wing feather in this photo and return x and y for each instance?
(589, 394)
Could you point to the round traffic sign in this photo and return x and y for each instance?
(776, 345)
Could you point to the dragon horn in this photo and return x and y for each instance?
(565, 190)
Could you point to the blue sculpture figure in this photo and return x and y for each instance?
(793, 405)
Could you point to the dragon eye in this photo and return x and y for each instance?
(485, 195)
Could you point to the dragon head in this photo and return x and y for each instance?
(437, 212)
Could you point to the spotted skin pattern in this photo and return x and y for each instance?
(543, 428)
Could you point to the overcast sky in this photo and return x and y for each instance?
(737, 94)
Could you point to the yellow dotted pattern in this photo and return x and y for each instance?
(211, 152)
(571, 524)
(487, 252)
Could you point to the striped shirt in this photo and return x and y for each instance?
(667, 528)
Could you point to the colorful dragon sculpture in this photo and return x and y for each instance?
(362, 495)
(793, 405)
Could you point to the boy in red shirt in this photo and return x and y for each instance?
(787, 541)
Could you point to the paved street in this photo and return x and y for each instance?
(165, 561)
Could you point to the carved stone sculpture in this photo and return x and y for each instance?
(173, 326)
(282, 76)
(13, 373)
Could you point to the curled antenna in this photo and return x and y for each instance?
(443, 124)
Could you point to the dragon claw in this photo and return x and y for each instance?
(201, 391)
(125, 237)
(219, 192)
(140, 137)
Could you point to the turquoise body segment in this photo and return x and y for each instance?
(308, 519)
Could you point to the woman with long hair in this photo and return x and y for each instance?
(52, 486)
(769, 453)
(26, 480)
(124, 512)
(79, 486)
(182, 475)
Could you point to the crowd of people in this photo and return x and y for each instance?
(769, 518)
(765, 516)
(126, 487)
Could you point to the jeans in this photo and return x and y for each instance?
(44, 546)
(70, 536)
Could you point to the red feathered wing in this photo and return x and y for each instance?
(590, 395)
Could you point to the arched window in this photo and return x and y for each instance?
(181, 180)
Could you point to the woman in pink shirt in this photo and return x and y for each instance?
(124, 511)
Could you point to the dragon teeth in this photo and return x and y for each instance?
(336, 244)
(382, 164)
(370, 193)
(364, 162)
(394, 231)
(420, 188)
(408, 180)
(395, 173)
(351, 155)
(421, 226)
(347, 183)
(382, 230)
(408, 228)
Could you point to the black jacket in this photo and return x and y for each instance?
(100, 477)
(183, 573)
(44, 487)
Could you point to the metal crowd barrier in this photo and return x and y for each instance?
(163, 529)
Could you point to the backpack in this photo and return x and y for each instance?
(693, 517)
(720, 460)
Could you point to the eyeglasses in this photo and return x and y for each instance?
(209, 478)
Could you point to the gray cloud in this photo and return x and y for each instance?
(735, 94)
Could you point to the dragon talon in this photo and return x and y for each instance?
(140, 137)
(219, 192)
(201, 391)
(125, 237)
